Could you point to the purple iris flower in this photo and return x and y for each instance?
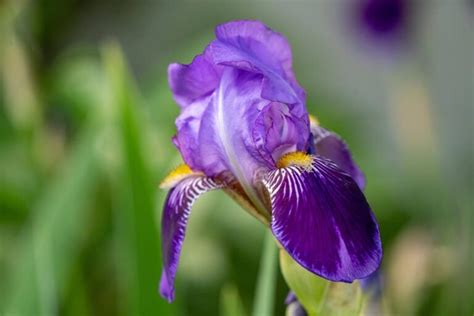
(244, 128)
(383, 19)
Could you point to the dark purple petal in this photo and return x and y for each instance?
(194, 81)
(322, 219)
(173, 225)
(329, 145)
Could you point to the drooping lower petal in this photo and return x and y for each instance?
(173, 225)
(322, 219)
(329, 145)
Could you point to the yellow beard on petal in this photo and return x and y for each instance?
(297, 158)
(179, 173)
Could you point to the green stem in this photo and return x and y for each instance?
(265, 291)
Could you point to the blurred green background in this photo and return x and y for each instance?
(86, 118)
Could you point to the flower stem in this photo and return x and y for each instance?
(265, 291)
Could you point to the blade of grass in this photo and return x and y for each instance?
(51, 242)
(230, 302)
(265, 291)
(138, 242)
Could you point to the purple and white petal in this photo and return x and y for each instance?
(322, 219)
(173, 225)
(329, 145)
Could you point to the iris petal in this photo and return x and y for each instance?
(225, 142)
(278, 131)
(329, 145)
(188, 125)
(173, 225)
(322, 219)
(194, 81)
(251, 46)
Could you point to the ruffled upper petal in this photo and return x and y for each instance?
(194, 81)
(173, 225)
(322, 219)
(252, 46)
(255, 42)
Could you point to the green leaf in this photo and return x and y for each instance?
(265, 292)
(319, 296)
(138, 247)
(49, 247)
(231, 304)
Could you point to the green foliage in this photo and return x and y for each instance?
(137, 237)
(265, 293)
(231, 304)
(51, 241)
(319, 296)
